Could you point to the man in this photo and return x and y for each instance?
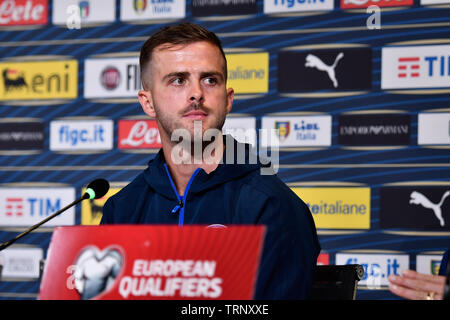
(184, 75)
(413, 285)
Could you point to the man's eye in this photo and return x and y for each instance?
(178, 81)
(211, 80)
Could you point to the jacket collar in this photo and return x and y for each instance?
(238, 161)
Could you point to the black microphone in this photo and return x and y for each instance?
(95, 190)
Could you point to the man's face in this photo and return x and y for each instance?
(186, 83)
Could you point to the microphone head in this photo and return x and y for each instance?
(96, 189)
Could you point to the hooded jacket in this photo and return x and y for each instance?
(231, 194)
(444, 264)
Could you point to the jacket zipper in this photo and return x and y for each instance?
(178, 206)
(181, 199)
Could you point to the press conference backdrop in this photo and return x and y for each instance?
(360, 98)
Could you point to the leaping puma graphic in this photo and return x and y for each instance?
(418, 198)
(314, 62)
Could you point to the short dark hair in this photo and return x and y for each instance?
(183, 33)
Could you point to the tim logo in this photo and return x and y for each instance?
(313, 61)
(13, 80)
(419, 199)
(408, 67)
(14, 207)
(415, 67)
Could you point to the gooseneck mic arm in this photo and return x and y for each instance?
(10, 242)
(95, 190)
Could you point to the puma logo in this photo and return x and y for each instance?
(314, 62)
(418, 198)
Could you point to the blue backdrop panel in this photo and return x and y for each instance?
(411, 164)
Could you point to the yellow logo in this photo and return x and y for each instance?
(435, 267)
(338, 208)
(248, 72)
(39, 80)
(92, 210)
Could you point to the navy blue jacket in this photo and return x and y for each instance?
(231, 194)
(444, 263)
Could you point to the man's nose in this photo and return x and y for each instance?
(196, 92)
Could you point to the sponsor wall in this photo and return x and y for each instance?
(362, 113)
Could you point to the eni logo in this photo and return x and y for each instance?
(39, 80)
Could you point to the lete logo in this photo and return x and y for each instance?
(134, 134)
(23, 12)
(95, 271)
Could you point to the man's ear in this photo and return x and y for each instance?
(146, 101)
(230, 97)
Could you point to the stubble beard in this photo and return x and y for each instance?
(171, 125)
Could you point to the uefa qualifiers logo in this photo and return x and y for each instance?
(199, 147)
(94, 271)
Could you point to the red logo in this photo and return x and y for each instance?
(139, 134)
(152, 262)
(408, 67)
(23, 12)
(323, 259)
(355, 4)
(14, 207)
(110, 78)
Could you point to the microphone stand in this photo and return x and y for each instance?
(10, 242)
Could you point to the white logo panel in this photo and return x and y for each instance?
(68, 135)
(415, 67)
(98, 11)
(425, 263)
(146, 9)
(25, 207)
(427, 2)
(278, 6)
(433, 128)
(21, 262)
(377, 267)
(112, 78)
(243, 129)
(296, 131)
